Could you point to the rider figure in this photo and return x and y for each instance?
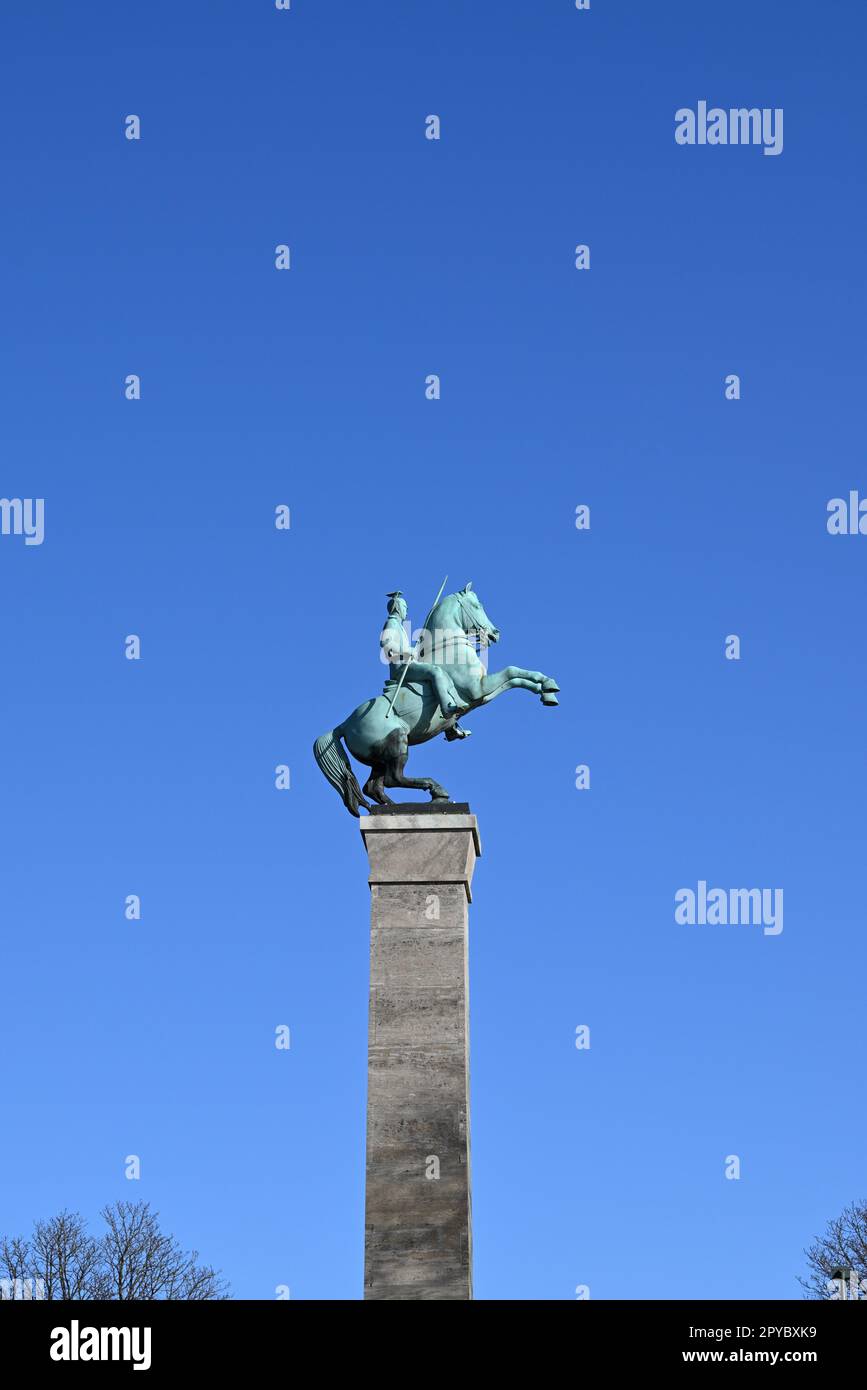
(398, 650)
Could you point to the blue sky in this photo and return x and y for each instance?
(602, 1167)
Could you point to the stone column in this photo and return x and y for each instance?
(418, 1226)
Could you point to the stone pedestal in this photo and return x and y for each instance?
(418, 1226)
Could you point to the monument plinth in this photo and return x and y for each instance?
(418, 1213)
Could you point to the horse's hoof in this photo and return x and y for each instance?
(550, 686)
(549, 699)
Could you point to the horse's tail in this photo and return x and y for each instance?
(334, 764)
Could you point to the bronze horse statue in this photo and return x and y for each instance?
(380, 732)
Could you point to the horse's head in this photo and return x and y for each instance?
(474, 619)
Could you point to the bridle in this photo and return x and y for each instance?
(474, 624)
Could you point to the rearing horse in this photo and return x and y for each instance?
(381, 737)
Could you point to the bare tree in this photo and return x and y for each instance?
(14, 1266)
(134, 1259)
(840, 1253)
(65, 1255)
(58, 1261)
(140, 1262)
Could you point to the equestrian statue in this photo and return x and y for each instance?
(430, 687)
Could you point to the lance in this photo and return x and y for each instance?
(415, 649)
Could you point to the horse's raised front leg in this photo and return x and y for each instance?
(518, 678)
